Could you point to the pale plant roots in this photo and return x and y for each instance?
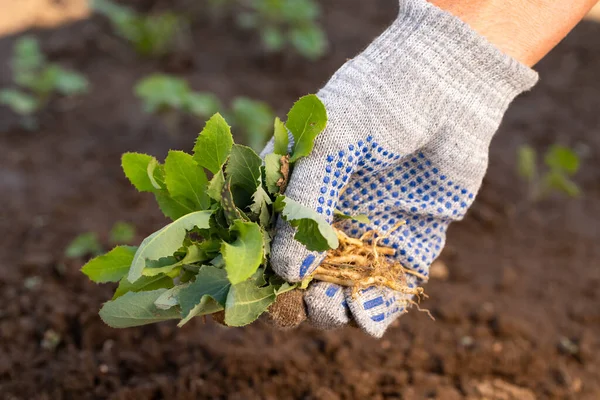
(360, 263)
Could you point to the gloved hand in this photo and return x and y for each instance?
(410, 123)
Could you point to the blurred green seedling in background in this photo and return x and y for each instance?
(280, 23)
(171, 98)
(36, 81)
(89, 244)
(560, 162)
(150, 35)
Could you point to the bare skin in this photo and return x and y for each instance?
(524, 29)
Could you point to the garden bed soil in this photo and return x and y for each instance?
(518, 315)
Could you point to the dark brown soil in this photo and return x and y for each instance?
(521, 306)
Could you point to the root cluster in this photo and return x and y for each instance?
(360, 263)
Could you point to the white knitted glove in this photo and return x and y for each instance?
(410, 123)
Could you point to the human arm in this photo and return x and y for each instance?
(411, 119)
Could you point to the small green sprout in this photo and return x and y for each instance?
(171, 98)
(37, 80)
(561, 164)
(89, 244)
(281, 23)
(150, 35)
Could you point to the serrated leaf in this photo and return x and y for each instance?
(215, 187)
(561, 158)
(313, 231)
(194, 254)
(143, 284)
(135, 166)
(213, 144)
(185, 179)
(121, 232)
(358, 218)
(281, 137)
(169, 298)
(166, 241)
(527, 163)
(172, 208)
(273, 172)
(244, 172)
(245, 255)
(135, 309)
(260, 200)
(306, 120)
(110, 267)
(210, 283)
(246, 302)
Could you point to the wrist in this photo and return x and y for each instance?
(523, 29)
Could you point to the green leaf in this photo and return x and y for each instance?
(358, 218)
(27, 54)
(273, 172)
(83, 245)
(313, 231)
(213, 144)
(122, 232)
(169, 298)
(186, 179)
(70, 83)
(210, 283)
(202, 104)
(527, 163)
(310, 41)
(166, 241)
(20, 102)
(135, 309)
(135, 166)
(281, 137)
(260, 199)
(215, 187)
(246, 302)
(110, 267)
(244, 172)
(194, 254)
(245, 255)
(560, 181)
(561, 158)
(172, 208)
(306, 120)
(159, 91)
(143, 284)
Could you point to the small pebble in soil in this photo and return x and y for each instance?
(51, 340)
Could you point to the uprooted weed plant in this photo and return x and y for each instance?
(214, 256)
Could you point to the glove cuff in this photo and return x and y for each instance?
(449, 49)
